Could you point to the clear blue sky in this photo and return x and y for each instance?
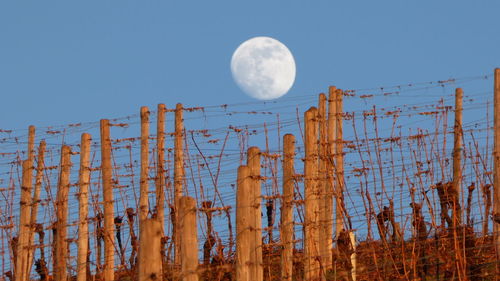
(75, 61)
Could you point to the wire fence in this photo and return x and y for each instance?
(398, 147)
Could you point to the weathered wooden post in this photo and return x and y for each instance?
(144, 185)
(352, 237)
(253, 163)
(60, 271)
(311, 243)
(150, 263)
(160, 169)
(286, 231)
(244, 218)
(330, 164)
(339, 160)
(35, 200)
(31, 143)
(496, 157)
(457, 156)
(325, 202)
(83, 199)
(107, 188)
(189, 239)
(24, 220)
(178, 174)
(457, 181)
(24, 242)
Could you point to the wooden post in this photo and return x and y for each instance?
(457, 156)
(311, 243)
(160, 170)
(352, 236)
(24, 220)
(31, 143)
(331, 166)
(339, 160)
(325, 202)
(31, 149)
(253, 163)
(31, 152)
(60, 271)
(189, 238)
(244, 218)
(178, 173)
(457, 182)
(83, 199)
(496, 157)
(144, 185)
(107, 189)
(287, 207)
(24, 250)
(35, 200)
(150, 263)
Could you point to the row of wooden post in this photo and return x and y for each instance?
(323, 159)
(314, 122)
(29, 203)
(148, 226)
(323, 181)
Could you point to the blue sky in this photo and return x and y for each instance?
(75, 61)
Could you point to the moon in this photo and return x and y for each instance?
(263, 67)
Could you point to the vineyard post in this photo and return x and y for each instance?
(31, 159)
(352, 236)
(31, 152)
(35, 200)
(244, 216)
(339, 159)
(61, 257)
(83, 198)
(457, 155)
(160, 169)
(24, 255)
(311, 264)
(107, 189)
(178, 174)
(457, 179)
(287, 208)
(149, 259)
(144, 184)
(496, 184)
(24, 219)
(31, 144)
(330, 164)
(253, 163)
(325, 202)
(331, 167)
(189, 238)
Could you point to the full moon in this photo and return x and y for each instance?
(263, 68)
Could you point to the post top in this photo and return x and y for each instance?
(312, 110)
(253, 149)
(84, 136)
